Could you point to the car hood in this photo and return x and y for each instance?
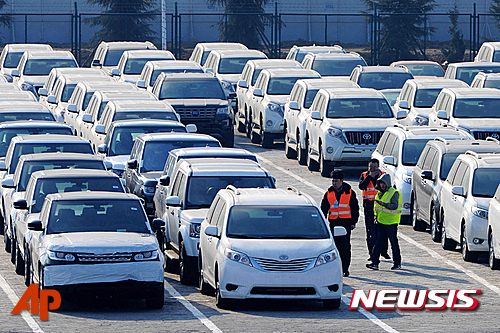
(482, 202)
(132, 78)
(274, 248)
(480, 124)
(358, 124)
(100, 242)
(194, 215)
(233, 78)
(154, 175)
(423, 111)
(196, 102)
(280, 99)
(118, 161)
(36, 80)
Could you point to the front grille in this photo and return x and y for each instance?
(117, 257)
(363, 138)
(283, 291)
(196, 113)
(484, 135)
(271, 265)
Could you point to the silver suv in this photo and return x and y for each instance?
(333, 64)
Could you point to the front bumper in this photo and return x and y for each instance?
(123, 289)
(273, 123)
(220, 127)
(337, 151)
(477, 228)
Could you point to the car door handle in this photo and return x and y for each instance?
(172, 213)
(454, 198)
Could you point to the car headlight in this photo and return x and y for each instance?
(9, 78)
(61, 256)
(146, 255)
(149, 190)
(238, 257)
(406, 179)
(479, 212)
(118, 172)
(228, 86)
(421, 121)
(194, 230)
(326, 258)
(336, 133)
(27, 87)
(224, 110)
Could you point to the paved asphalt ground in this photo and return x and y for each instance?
(425, 266)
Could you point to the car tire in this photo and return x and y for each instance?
(19, 264)
(467, 255)
(417, 224)
(2, 231)
(494, 262)
(158, 300)
(221, 303)
(229, 141)
(170, 265)
(289, 152)
(266, 139)
(241, 127)
(435, 227)
(40, 277)
(325, 167)
(187, 266)
(6, 239)
(447, 243)
(27, 269)
(301, 153)
(331, 303)
(13, 248)
(312, 165)
(205, 288)
(249, 127)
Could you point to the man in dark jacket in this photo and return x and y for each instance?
(340, 207)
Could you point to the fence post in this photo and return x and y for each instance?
(179, 45)
(375, 16)
(425, 37)
(26, 29)
(72, 34)
(471, 24)
(326, 29)
(475, 30)
(176, 35)
(79, 38)
(279, 35)
(75, 30)
(225, 27)
(276, 25)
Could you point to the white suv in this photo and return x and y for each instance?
(268, 243)
(398, 152)
(333, 64)
(494, 231)
(131, 63)
(465, 197)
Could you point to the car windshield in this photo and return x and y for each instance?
(336, 67)
(113, 57)
(167, 115)
(26, 115)
(44, 66)
(97, 216)
(281, 85)
(477, 108)
(67, 91)
(204, 57)
(492, 84)
(101, 109)
(310, 94)
(391, 96)
(467, 74)
(425, 98)
(135, 66)
(8, 133)
(86, 100)
(32, 166)
(157, 72)
(446, 164)
(485, 182)
(155, 153)
(46, 147)
(359, 108)
(184, 89)
(233, 65)
(12, 59)
(45, 187)
(301, 54)
(201, 191)
(123, 138)
(381, 81)
(425, 70)
(412, 148)
(256, 75)
(496, 56)
(272, 222)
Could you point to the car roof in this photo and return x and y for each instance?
(291, 72)
(489, 76)
(328, 82)
(73, 173)
(108, 86)
(475, 64)
(223, 46)
(128, 45)
(146, 105)
(353, 93)
(142, 54)
(211, 152)
(146, 122)
(453, 146)
(32, 124)
(128, 94)
(384, 69)
(487, 160)
(189, 76)
(78, 71)
(8, 86)
(438, 83)
(313, 48)
(28, 47)
(9, 94)
(222, 166)
(268, 197)
(60, 156)
(275, 63)
(49, 138)
(91, 195)
(414, 62)
(335, 56)
(177, 137)
(159, 64)
(76, 78)
(474, 92)
(240, 53)
(426, 132)
(22, 106)
(496, 45)
(49, 55)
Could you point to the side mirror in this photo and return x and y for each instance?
(115, 72)
(103, 148)
(258, 92)
(15, 72)
(96, 62)
(404, 105)
(213, 231)
(87, 118)
(8, 182)
(35, 225)
(141, 84)
(209, 70)
(401, 114)
(242, 84)
(108, 165)
(132, 164)
(99, 128)
(427, 174)
(294, 105)
(231, 95)
(3, 167)
(173, 201)
(389, 160)
(72, 108)
(442, 115)
(316, 115)
(51, 99)
(20, 204)
(458, 190)
(164, 180)
(157, 224)
(42, 92)
(191, 128)
(339, 231)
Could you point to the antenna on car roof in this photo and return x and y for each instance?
(234, 189)
(443, 140)
(291, 188)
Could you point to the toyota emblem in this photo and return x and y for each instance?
(283, 257)
(495, 136)
(367, 136)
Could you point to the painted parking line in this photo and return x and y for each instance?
(14, 299)
(197, 313)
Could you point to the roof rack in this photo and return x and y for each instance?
(443, 140)
(291, 188)
(493, 140)
(473, 153)
(403, 127)
(234, 189)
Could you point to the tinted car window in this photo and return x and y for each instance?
(477, 108)
(412, 149)
(182, 89)
(113, 57)
(359, 108)
(391, 96)
(20, 115)
(12, 59)
(67, 91)
(446, 164)
(281, 86)
(425, 98)
(145, 115)
(7, 134)
(383, 80)
(336, 67)
(485, 182)
(492, 83)
(467, 74)
(232, 65)
(425, 70)
(157, 72)
(43, 67)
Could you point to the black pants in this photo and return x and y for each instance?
(385, 231)
(343, 243)
(371, 228)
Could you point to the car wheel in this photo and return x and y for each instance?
(6, 239)
(221, 303)
(331, 303)
(187, 266)
(241, 126)
(27, 269)
(435, 227)
(447, 243)
(417, 224)
(467, 255)
(249, 127)
(13, 248)
(289, 152)
(301, 153)
(312, 165)
(266, 139)
(325, 167)
(494, 262)
(40, 277)
(158, 299)
(19, 262)
(2, 223)
(205, 288)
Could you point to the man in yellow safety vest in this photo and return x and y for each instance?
(387, 207)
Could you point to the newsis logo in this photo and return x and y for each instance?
(39, 300)
(410, 299)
